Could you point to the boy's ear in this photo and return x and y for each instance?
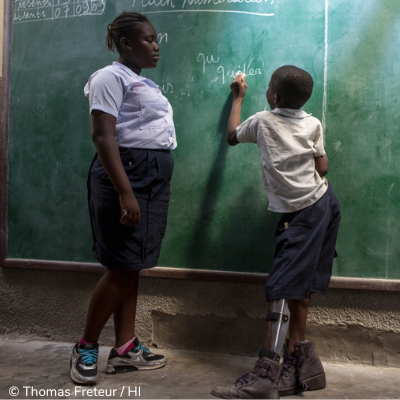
(276, 99)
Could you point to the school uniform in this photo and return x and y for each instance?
(305, 236)
(145, 135)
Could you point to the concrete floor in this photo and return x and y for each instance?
(40, 369)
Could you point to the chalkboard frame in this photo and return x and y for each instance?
(4, 134)
(157, 272)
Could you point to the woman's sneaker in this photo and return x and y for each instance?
(138, 358)
(84, 364)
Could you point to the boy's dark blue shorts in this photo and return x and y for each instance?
(305, 250)
(127, 248)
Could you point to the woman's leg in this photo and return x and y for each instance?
(129, 355)
(111, 289)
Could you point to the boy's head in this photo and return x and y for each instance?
(290, 87)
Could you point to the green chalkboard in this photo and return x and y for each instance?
(218, 213)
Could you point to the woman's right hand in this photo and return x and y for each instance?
(130, 210)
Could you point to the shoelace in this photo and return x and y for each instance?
(89, 356)
(144, 348)
(246, 378)
(289, 365)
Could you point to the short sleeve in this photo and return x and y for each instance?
(319, 149)
(247, 131)
(105, 91)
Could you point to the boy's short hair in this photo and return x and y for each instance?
(293, 84)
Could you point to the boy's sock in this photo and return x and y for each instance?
(125, 347)
(86, 342)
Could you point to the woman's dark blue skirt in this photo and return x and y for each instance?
(121, 247)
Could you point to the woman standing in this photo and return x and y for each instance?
(129, 188)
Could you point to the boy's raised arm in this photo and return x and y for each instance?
(238, 87)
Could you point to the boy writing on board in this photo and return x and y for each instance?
(294, 165)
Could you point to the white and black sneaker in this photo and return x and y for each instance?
(84, 364)
(138, 358)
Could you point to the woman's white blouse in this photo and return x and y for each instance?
(144, 115)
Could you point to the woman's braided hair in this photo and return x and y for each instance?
(125, 25)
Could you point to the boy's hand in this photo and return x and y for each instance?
(239, 86)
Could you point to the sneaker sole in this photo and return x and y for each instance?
(85, 381)
(120, 369)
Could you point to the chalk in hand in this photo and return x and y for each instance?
(242, 75)
(124, 213)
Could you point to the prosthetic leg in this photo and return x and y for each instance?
(278, 315)
(262, 381)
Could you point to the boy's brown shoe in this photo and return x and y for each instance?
(303, 372)
(261, 383)
(289, 381)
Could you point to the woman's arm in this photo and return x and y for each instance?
(103, 128)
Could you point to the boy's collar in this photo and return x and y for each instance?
(290, 113)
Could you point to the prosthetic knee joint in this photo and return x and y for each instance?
(278, 315)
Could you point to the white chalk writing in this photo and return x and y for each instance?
(250, 68)
(219, 6)
(166, 88)
(201, 2)
(157, 3)
(204, 60)
(38, 10)
(162, 37)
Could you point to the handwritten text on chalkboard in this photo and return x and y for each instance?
(250, 67)
(218, 6)
(38, 10)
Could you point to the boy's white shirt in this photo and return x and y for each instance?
(288, 140)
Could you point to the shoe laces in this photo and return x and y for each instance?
(288, 365)
(88, 356)
(144, 348)
(244, 379)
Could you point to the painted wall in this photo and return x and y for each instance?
(354, 326)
